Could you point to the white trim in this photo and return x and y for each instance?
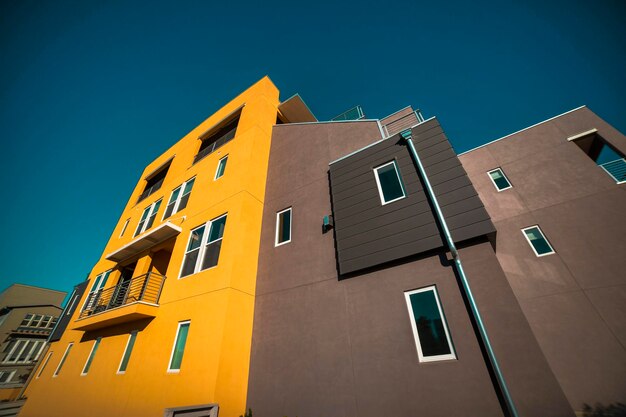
(204, 242)
(31, 347)
(90, 357)
(100, 283)
(179, 198)
(73, 299)
(542, 235)
(326, 121)
(180, 324)
(494, 182)
(289, 209)
(157, 169)
(422, 358)
(220, 122)
(63, 358)
(521, 130)
(609, 173)
(380, 188)
(217, 170)
(150, 209)
(124, 227)
(43, 364)
(130, 336)
(582, 134)
(9, 378)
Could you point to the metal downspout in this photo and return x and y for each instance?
(407, 136)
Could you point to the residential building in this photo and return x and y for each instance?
(27, 316)
(357, 266)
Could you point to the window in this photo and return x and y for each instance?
(24, 351)
(67, 352)
(43, 366)
(6, 376)
(429, 325)
(203, 249)
(91, 356)
(389, 182)
(221, 167)
(126, 356)
(603, 154)
(98, 284)
(283, 227)
(124, 227)
(537, 241)
(178, 200)
(179, 346)
(155, 181)
(27, 320)
(499, 179)
(147, 217)
(218, 136)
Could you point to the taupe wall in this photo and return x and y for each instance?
(328, 347)
(575, 300)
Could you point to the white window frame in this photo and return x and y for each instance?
(44, 364)
(505, 177)
(141, 228)
(380, 188)
(178, 198)
(203, 246)
(217, 170)
(289, 209)
(124, 227)
(63, 359)
(9, 378)
(34, 350)
(101, 282)
(421, 357)
(130, 336)
(169, 363)
(552, 251)
(90, 357)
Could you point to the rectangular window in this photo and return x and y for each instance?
(430, 330)
(221, 167)
(27, 319)
(94, 294)
(389, 182)
(129, 349)
(124, 227)
(43, 366)
(218, 136)
(283, 227)
(6, 376)
(67, 352)
(203, 249)
(499, 179)
(538, 241)
(179, 346)
(91, 356)
(178, 200)
(610, 159)
(155, 181)
(147, 217)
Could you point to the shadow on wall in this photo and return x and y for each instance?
(599, 410)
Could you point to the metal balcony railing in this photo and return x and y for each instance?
(146, 288)
(616, 169)
(151, 190)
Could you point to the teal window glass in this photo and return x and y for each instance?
(184, 198)
(193, 250)
(214, 243)
(142, 221)
(390, 186)
(221, 167)
(499, 179)
(153, 213)
(538, 241)
(127, 352)
(179, 346)
(429, 327)
(67, 352)
(283, 227)
(169, 210)
(92, 354)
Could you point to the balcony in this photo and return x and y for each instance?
(150, 190)
(616, 169)
(130, 300)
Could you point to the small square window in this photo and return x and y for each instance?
(389, 182)
(283, 227)
(538, 241)
(430, 330)
(221, 167)
(499, 179)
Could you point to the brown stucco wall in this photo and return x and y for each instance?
(329, 347)
(575, 300)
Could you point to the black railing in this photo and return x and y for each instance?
(146, 288)
(150, 190)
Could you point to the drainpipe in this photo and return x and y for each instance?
(407, 136)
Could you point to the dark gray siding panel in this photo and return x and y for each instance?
(368, 233)
(71, 306)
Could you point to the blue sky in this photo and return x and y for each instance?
(90, 92)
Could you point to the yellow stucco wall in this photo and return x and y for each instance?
(219, 301)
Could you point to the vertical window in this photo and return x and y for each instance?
(499, 179)
(147, 217)
(94, 294)
(27, 320)
(179, 346)
(179, 198)
(91, 356)
(67, 352)
(283, 227)
(6, 376)
(221, 167)
(389, 182)
(129, 349)
(124, 227)
(203, 249)
(430, 330)
(43, 365)
(538, 241)
(15, 352)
